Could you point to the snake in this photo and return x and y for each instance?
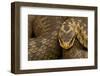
(51, 36)
(73, 37)
(73, 28)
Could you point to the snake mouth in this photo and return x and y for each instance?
(67, 45)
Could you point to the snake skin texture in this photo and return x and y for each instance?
(45, 43)
(73, 38)
(77, 51)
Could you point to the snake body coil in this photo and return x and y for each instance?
(45, 44)
(57, 37)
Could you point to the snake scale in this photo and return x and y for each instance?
(56, 37)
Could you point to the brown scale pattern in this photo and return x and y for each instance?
(45, 44)
(43, 40)
(76, 51)
(43, 48)
(78, 47)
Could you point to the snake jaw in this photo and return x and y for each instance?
(66, 45)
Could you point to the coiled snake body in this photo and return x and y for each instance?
(58, 37)
(45, 44)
